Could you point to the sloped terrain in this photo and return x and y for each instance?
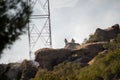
(97, 59)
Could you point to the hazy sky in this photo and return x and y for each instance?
(71, 19)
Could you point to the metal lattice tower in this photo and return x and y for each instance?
(39, 29)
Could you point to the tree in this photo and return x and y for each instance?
(14, 15)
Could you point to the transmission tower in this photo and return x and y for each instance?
(39, 29)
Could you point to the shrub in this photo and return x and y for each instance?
(105, 68)
(64, 71)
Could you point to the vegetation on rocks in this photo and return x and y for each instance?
(105, 67)
(71, 64)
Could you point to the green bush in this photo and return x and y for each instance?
(106, 68)
(64, 71)
(114, 44)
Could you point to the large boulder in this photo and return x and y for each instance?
(14, 71)
(29, 69)
(48, 57)
(105, 34)
(18, 71)
(88, 51)
(10, 71)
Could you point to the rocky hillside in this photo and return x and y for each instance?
(48, 58)
(97, 59)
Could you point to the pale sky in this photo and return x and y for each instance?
(70, 19)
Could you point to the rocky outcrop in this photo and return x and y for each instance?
(85, 54)
(105, 34)
(29, 69)
(10, 71)
(18, 71)
(48, 58)
(87, 51)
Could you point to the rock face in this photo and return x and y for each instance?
(48, 58)
(105, 34)
(18, 71)
(28, 70)
(12, 71)
(87, 51)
